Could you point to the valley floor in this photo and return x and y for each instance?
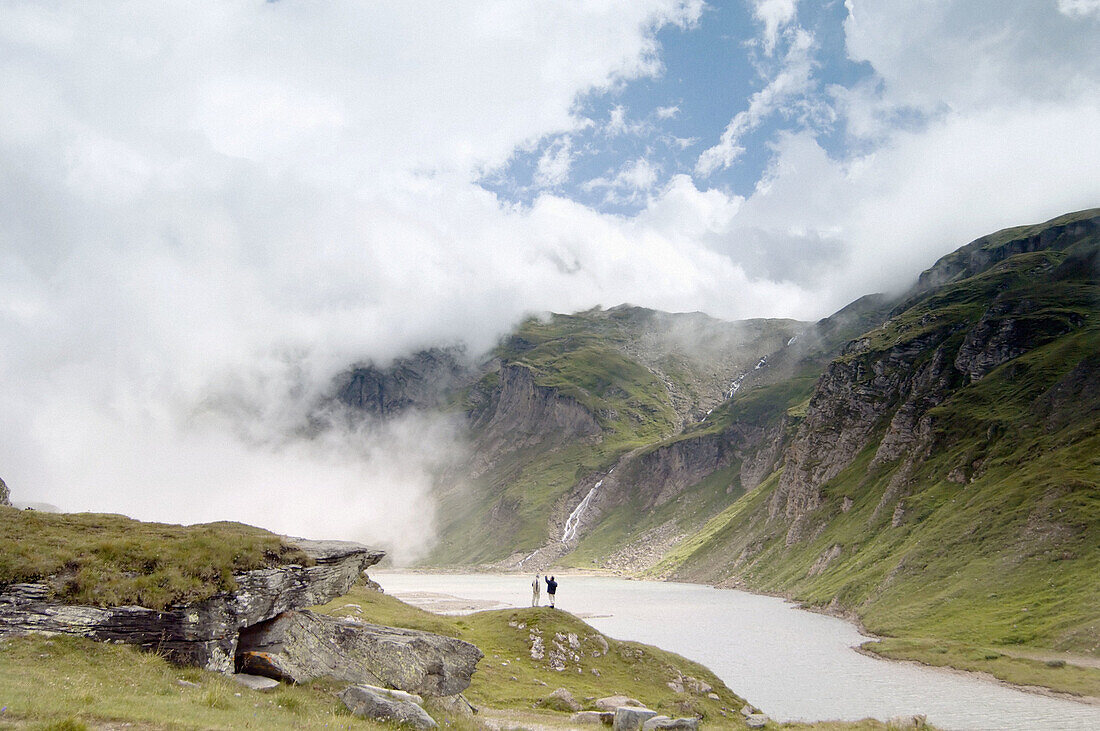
(1042, 671)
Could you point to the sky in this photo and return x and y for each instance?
(208, 210)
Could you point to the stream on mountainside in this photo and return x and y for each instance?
(791, 663)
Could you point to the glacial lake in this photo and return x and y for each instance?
(793, 664)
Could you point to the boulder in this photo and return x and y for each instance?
(5, 495)
(205, 633)
(255, 682)
(301, 646)
(660, 722)
(916, 721)
(631, 718)
(611, 702)
(371, 584)
(593, 718)
(456, 705)
(562, 698)
(756, 720)
(699, 687)
(367, 701)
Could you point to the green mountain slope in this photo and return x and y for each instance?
(929, 464)
(945, 479)
(564, 399)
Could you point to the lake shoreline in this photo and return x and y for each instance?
(845, 615)
(1042, 690)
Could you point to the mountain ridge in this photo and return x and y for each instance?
(923, 462)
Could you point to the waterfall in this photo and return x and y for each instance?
(736, 384)
(574, 518)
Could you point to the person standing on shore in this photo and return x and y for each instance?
(535, 585)
(551, 589)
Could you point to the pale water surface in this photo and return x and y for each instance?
(791, 663)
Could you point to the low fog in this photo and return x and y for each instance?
(206, 214)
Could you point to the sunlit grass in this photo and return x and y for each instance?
(111, 560)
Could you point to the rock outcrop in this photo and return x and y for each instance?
(885, 385)
(631, 718)
(665, 722)
(203, 634)
(522, 414)
(301, 646)
(5, 495)
(381, 704)
(420, 381)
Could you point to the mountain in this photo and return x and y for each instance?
(943, 478)
(567, 397)
(928, 463)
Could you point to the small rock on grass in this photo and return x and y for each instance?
(594, 718)
(254, 682)
(756, 720)
(611, 702)
(563, 697)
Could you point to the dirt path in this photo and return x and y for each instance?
(1084, 661)
(503, 720)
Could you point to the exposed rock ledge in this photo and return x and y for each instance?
(301, 646)
(206, 633)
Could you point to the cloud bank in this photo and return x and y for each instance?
(206, 212)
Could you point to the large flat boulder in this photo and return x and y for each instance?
(301, 646)
(664, 722)
(205, 633)
(631, 718)
(366, 701)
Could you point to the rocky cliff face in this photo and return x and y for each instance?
(940, 473)
(420, 381)
(203, 634)
(521, 414)
(5, 495)
(984, 253)
(999, 298)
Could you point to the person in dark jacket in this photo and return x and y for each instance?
(551, 588)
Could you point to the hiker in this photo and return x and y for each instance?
(535, 585)
(551, 589)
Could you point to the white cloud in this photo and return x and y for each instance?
(973, 54)
(964, 129)
(554, 163)
(667, 112)
(227, 203)
(775, 15)
(616, 121)
(792, 81)
(1079, 8)
(205, 213)
(632, 180)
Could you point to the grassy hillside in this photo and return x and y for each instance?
(509, 678)
(106, 560)
(72, 684)
(928, 465)
(642, 374)
(986, 540)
